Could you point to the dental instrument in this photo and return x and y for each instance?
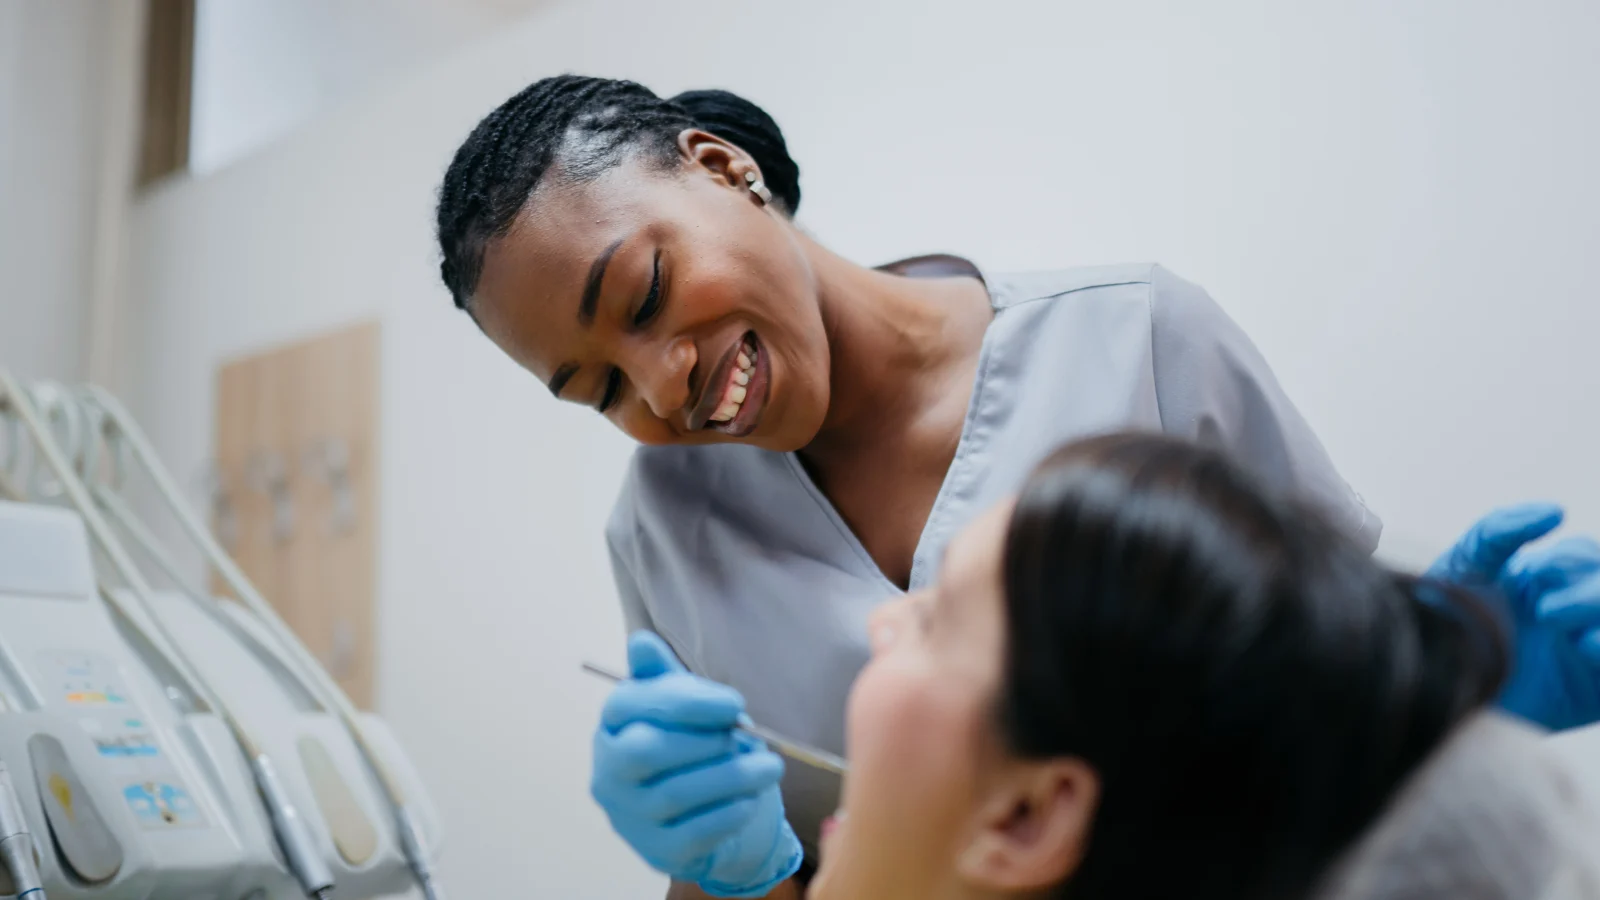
(801, 753)
(17, 847)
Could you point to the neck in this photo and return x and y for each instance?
(895, 345)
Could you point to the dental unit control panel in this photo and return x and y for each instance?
(130, 787)
(166, 744)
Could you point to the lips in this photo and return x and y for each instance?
(832, 823)
(734, 395)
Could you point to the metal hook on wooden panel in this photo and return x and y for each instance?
(328, 460)
(267, 473)
(218, 495)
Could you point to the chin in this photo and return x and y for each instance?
(827, 884)
(832, 880)
(795, 411)
(788, 432)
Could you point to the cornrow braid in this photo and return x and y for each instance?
(584, 123)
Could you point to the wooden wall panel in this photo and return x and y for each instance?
(288, 404)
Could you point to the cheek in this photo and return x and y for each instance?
(904, 726)
(761, 275)
(768, 295)
(912, 740)
(800, 361)
(713, 291)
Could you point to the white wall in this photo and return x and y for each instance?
(1397, 200)
(263, 68)
(52, 82)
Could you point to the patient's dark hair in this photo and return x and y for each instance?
(1249, 685)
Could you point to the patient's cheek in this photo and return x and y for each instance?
(907, 733)
(911, 790)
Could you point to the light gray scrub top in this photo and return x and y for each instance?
(734, 556)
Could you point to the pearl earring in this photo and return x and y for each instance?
(757, 188)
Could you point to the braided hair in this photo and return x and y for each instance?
(587, 125)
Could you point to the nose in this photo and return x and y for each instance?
(660, 373)
(886, 623)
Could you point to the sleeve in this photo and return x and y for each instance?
(634, 614)
(621, 538)
(1213, 386)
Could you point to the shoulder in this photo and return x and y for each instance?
(1165, 302)
(1138, 301)
(1154, 283)
(1494, 798)
(1014, 289)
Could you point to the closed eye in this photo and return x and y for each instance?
(648, 310)
(652, 300)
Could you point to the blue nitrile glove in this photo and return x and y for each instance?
(699, 801)
(1552, 596)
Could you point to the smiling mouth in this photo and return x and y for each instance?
(740, 384)
(737, 388)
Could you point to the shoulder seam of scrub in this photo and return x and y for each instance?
(1155, 376)
(1053, 295)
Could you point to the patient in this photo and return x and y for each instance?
(1149, 678)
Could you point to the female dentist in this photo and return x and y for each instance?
(816, 431)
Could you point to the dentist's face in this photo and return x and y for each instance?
(673, 303)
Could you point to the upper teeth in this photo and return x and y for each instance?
(733, 393)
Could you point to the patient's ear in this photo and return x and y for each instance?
(1032, 830)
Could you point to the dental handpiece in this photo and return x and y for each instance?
(800, 753)
(16, 844)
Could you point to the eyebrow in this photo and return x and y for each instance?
(591, 290)
(586, 310)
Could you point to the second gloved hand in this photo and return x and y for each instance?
(1551, 594)
(699, 801)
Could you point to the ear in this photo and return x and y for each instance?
(1032, 832)
(716, 156)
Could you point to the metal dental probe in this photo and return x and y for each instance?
(811, 756)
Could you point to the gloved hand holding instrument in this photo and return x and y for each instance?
(1551, 595)
(685, 784)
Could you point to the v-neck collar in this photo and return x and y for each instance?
(954, 476)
